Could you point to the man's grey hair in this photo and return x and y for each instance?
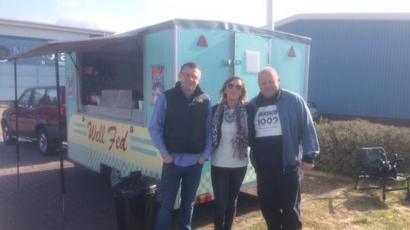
(269, 70)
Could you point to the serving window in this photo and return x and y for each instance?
(111, 81)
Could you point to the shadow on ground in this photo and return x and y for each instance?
(203, 213)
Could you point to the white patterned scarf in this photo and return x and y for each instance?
(240, 140)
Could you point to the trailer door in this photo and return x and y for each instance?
(210, 57)
(251, 53)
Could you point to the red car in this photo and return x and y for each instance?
(38, 118)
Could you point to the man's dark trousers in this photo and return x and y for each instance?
(279, 194)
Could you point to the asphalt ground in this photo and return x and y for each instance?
(35, 202)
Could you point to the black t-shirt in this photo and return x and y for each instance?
(268, 134)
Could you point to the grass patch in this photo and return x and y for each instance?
(330, 202)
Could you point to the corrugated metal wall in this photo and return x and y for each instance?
(359, 68)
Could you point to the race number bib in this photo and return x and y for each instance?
(267, 122)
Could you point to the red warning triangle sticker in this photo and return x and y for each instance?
(292, 52)
(202, 41)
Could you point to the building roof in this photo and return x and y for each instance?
(345, 17)
(45, 26)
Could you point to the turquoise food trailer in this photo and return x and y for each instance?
(112, 84)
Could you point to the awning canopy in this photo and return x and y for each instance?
(72, 46)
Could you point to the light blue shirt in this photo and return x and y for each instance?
(156, 130)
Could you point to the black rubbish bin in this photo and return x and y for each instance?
(136, 202)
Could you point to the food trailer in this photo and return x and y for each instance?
(112, 84)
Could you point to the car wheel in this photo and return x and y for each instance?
(7, 136)
(43, 142)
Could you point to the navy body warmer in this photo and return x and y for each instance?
(185, 121)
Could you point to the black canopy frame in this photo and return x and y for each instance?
(60, 134)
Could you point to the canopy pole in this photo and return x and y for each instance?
(16, 110)
(60, 137)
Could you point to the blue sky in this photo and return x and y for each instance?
(122, 15)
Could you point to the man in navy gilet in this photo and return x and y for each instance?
(180, 130)
(284, 143)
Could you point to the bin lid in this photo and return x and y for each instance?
(136, 184)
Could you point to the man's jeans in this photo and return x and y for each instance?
(172, 176)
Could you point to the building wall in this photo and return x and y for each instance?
(30, 72)
(358, 68)
(17, 37)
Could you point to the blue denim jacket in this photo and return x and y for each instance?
(298, 130)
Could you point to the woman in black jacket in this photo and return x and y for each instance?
(229, 157)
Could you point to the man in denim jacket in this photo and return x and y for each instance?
(284, 143)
